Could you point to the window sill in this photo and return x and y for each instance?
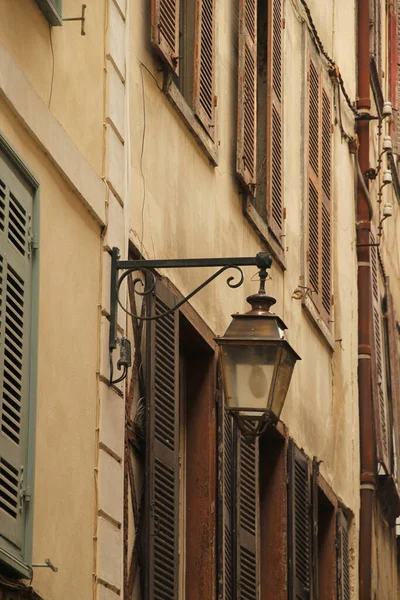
(182, 107)
(50, 12)
(318, 323)
(19, 568)
(261, 227)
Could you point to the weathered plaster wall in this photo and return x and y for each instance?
(65, 68)
(181, 206)
(64, 500)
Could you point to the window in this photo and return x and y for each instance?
(318, 547)
(180, 457)
(183, 32)
(319, 198)
(52, 10)
(259, 158)
(17, 370)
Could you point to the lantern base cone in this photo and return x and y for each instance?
(260, 304)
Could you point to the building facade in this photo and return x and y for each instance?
(193, 129)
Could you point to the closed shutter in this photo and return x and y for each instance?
(204, 64)
(319, 254)
(15, 326)
(299, 529)
(315, 509)
(165, 30)
(377, 367)
(247, 519)
(247, 93)
(162, 451)
(227, 517)
(394, 369)
(343, 565)
(275, 122)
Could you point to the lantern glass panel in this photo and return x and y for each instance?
(248, 375)
(286, 362)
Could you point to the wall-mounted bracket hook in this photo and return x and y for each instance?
(82, 19)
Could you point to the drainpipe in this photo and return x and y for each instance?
(367, 433)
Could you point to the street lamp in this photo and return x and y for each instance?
(257, 360)
(257, 364)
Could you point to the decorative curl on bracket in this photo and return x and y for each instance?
(230, 282)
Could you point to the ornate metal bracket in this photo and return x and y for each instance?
(263, 261)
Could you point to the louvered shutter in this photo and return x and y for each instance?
(247, 579)
(227, 518)
(315, 509)
(15, 326)
(247, 93)
(394, 366)
(314, 234)
(204, 64)
(165, 30)
(162, 449)
(275, 122)
(377, 368)
(326, 143)
(319, 254)
(299, 527)
(343, 566)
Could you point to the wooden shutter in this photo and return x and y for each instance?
(247, 578)
(319, 253)
(378, 368)
(247, 93)
(343, 565)
(165, 30)
(15, 327)
(227, 517)
(299, 529)
(162, 449)
(376, 36)
(275, 121)
(394, 370)
(315, 509)
(204, 64)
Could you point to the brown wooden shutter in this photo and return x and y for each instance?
(247, 577)
(275, 122)
(247, 93)
(165, 30)
(314, 236)
(225, 551)
(343, 565)
(162, 449)
(299, 529)
(377, 368)
(315, 508)
(326, 174)
(319, 254)
(394, 369)
(204, 64)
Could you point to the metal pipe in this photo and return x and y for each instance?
(367, 432)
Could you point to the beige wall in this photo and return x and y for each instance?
(193, 209)
(71, 82)
(69, 288)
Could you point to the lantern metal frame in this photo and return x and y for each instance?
(250, 427)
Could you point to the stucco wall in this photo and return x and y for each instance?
(69, 287)
(64, 68)
(184, 207)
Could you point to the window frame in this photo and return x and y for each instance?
(52, 10)
(190, 109)
(20, 565)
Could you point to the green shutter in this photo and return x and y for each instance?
(16, 203)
